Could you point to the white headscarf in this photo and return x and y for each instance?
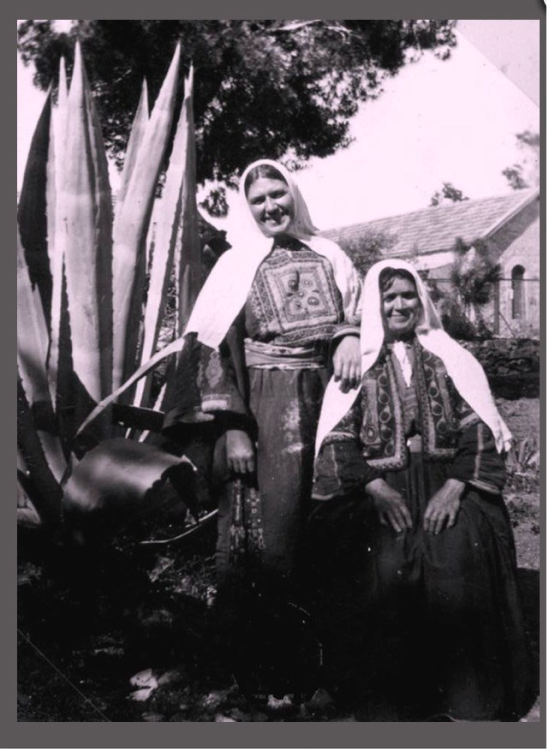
(301, 226)
(227, 287)
(465, 371)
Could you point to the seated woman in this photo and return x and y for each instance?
(256, 365)
(413, 549)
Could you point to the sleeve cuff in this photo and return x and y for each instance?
(483, 486)
(346, 329)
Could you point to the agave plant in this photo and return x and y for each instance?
(91, 294)
(523, 456)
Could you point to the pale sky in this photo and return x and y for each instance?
(452, 121)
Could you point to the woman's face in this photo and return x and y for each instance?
(271, 204)
(401, 308)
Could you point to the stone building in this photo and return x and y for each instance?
(508, 224)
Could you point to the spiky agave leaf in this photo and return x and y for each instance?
(169, 214)
(31, 211)
(85, 209)
(172, 348)
(138, 129)
(32, 343)
(57, 130)
(187, 259)
(42, 486)
(132, 226)
(189, 249)
(59, 375)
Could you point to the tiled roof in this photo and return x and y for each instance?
(436, 229)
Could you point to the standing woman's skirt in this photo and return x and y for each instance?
(260, 527)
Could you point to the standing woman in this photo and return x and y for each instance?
(273, 314)
(409, 477)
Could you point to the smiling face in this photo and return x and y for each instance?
(401, 308)
(272, 205)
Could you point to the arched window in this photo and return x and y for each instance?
(517, 287)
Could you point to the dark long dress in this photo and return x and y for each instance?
(268, 379)
(431, 624)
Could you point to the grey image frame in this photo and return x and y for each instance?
(58, 735)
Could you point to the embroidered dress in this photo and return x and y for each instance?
(433, 623)
(267, 378)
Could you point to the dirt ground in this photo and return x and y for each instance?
(128, 637)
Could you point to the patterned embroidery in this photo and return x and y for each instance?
(370, 432)
(213, 371)
(210, 375)
(440, 422)
(464, 416)
(442, 413)
(246, 533)
(294, 297)
(437, 426)
(383, 435)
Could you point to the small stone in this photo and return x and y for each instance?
(282, 704)
(141, 695)
(219, 718)
(144, 678)
(320, 700)
(153, 717)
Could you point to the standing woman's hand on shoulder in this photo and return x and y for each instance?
(240, 452)
(347, 363)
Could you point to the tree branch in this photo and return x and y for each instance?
(296, 25)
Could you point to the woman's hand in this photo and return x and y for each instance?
(390, 505)
(240, 452)
(443, 506)
(347, 363)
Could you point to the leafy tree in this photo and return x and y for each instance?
(448, 194)
(285, 89)
(474, 275)
(367, 249)
(526, 172)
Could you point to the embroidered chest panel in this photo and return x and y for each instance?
(294, 297)
(442, 412)
(440, 423)
(382, 431)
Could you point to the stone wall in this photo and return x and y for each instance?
(511, 364)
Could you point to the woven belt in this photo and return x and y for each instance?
(272, 356)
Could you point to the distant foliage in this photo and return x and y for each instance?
(263, 88)
(526, 172)
(473, 278)
(474, 273)
(367, 249)
(447, 194)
